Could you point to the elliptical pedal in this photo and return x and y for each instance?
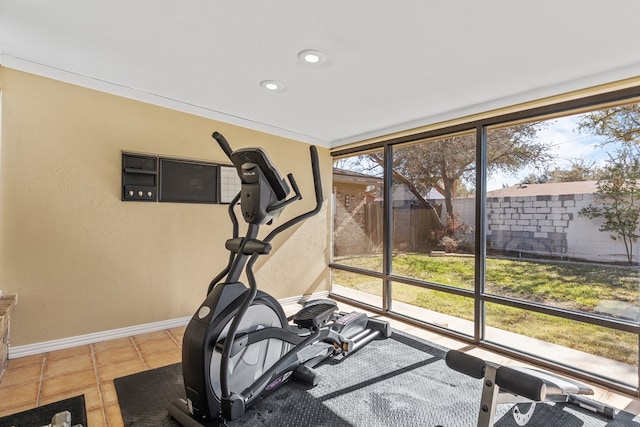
(315, 313)
(320, 301)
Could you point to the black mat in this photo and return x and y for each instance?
(41, 416)
(400, 381)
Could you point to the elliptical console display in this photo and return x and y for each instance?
(239, 345)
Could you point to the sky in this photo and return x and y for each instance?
(566, 143)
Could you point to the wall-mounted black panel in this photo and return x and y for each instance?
(188, 181)
(139, 178)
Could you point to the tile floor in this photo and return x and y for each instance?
(90, 370)
(33, 381)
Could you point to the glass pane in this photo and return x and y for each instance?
(443, 309)
(449, 269)
(595, 288)
(434, 210)
(365, 289)
(357, 210)
(593, 349)
(562, 211)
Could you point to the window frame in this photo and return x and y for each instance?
(481, 125)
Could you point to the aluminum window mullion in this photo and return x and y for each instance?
(387, 222)
(481, 234)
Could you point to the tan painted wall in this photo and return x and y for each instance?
(81, 260)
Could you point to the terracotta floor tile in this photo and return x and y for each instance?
(54, 368)
(83, 350)
(27, 374)
(111, 344)
(165, 358)
(151, 336)
(158, 345)
(17, 409)
(114, 416)
(95, 418)
(109, 395)
(91, 397)
(626, 403)
(22, 362)
(115, 356)
(117, 370)
(68, 382)
(178, 333)
(18, 398)
(632, 406)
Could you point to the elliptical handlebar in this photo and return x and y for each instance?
(317, 186)
(223, 143)
(317, 182)
(282, 204)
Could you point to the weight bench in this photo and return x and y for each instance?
(504, 384)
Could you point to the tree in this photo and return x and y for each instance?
(578, 170)
(451, 233)
(619, 187)
(449, 164)
(618, 199)
(617, 124)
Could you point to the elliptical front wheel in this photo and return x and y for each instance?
(202, 371)
(250, 363)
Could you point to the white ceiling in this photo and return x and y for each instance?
(391, 65)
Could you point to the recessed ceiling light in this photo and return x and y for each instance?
(272, 85)
(312, 56)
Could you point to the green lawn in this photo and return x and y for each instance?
(576, 286)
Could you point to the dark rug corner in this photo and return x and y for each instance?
(41, 416)
(399, 381)
(143, 396)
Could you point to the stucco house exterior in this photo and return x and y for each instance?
(354, 229)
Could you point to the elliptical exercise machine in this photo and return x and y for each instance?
(239, 344)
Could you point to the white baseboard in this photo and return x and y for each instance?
(61, 344)
(46, 346)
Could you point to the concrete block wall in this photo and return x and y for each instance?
(548, 226)
(527, 226)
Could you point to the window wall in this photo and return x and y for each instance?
(432, 223)
(519, 232)
(358, 200)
